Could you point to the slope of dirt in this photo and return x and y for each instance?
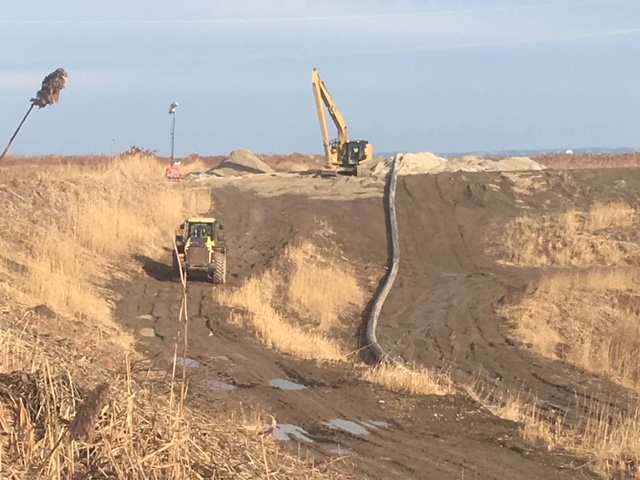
(439, 314)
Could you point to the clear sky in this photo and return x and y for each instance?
(408, 75)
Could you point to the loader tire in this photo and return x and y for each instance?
(220, 268)
(175, 271)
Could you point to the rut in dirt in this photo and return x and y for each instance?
(441, 312)
(443, 277)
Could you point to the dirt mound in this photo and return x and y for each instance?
(428, 163)
(239, 163)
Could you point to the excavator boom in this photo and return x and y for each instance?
(340, 152)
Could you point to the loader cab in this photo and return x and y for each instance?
(201, 230)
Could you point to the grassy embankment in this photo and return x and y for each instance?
(68, 232)
(583, 311)
(298, 305)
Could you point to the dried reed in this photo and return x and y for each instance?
(48, 94)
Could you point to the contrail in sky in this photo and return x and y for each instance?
(305, 19)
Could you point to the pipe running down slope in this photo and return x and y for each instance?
(372, 342)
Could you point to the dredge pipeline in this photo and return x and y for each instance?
(370, 334)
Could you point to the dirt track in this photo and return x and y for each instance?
(439, 314)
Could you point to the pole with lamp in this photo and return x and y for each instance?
(173, 172)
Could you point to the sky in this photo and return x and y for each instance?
(407, 75)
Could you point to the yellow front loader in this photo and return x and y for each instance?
(201, 247)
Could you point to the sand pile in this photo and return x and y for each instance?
(239, 163)
(428, 163)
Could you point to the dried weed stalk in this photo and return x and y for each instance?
(48, 94)
(52, 85)
(82, 425)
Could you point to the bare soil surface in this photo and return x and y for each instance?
(439, 314)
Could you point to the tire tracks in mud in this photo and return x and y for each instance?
(421, 437)
(442, 313)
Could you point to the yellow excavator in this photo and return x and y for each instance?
(341, 155)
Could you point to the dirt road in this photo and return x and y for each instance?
(439, 314)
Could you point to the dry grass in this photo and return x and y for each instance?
(59, 421)
(292, 306)
(71, 227)
(257, 298)
(320, 291)
(573, 238)
(412, 380)
(72, 405)
(605, 438)
(581, 319)
(586, 316)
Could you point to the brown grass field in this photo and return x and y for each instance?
(583, 311)
(72, 227)
(69, 230)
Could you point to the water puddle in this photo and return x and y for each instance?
(453, 275)
(286, 384)
(147, 332)
(218, 386)
(380, 423)
(342, 451)
(190, 362)
(224, 358)
(369, 425)
(285, 431)
(348, 426)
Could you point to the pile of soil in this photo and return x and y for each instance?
(239, 163)
(428, 163)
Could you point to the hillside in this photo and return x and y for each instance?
(513, 322)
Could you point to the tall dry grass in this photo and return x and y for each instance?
(295, 306)
(571, 239)
(63, 417)
(263, 312)
(585, 314)
(576, 314)
(319, 291)
(579, 317)
(68, 409)
(72, 229)
(605, 439)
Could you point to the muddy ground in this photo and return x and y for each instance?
(440, 314)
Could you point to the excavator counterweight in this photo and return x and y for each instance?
(341, 155)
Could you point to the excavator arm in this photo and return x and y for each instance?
(323, 99)
(341, 155)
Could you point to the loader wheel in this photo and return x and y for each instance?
(175, 271)
(220, 268)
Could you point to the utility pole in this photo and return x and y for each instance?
(172, 111)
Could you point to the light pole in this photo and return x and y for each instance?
(172, 111)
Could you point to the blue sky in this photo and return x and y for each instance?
(408, 75)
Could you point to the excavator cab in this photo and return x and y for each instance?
(356, 152)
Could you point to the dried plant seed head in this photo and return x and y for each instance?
(82, 425)
(52, 85)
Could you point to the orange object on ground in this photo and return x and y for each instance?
(173, 172)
